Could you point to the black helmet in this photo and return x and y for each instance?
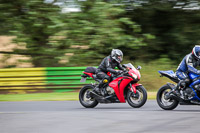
(196, 52)
(117, 55)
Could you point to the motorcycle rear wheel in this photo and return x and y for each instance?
(85, 99)
(166, 104)
(139, 99)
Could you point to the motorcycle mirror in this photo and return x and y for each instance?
(139, 67)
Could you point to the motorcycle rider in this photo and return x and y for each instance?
(108, 64)
(188, 64)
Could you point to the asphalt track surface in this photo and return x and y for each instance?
(71, 117)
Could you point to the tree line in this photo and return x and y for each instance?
(143, 30)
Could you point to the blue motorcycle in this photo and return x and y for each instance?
(168, 98)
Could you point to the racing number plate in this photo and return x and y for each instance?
(83, 79)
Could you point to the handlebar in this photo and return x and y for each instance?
(120, 74)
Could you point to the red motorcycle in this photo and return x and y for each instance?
(122, 88)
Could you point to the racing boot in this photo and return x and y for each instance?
(99, 89)
(182, 85)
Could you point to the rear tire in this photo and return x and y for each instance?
(166, 104)
(138, 101)
(85, 99)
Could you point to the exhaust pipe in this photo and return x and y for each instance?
(99, 98)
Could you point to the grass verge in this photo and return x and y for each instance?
(57, 96)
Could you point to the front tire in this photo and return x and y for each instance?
(85, 99)
(166, 104)
(139, 99)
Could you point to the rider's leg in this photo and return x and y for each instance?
(104, 81)
(101, 76)
(183, 83)
(184, 80)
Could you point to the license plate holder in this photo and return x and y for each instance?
(83, 79)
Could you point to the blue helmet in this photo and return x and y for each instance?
(196, 52)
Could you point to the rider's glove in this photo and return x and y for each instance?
(119, 72)
(124, 69)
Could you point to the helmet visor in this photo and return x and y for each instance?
(197, 52)
(119, 57)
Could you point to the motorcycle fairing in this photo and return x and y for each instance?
(109, 74)
(119, 85)
(134, 87)
(193, 76)
(135, 71)
(170, 74)
(89, 74)
(191, 86)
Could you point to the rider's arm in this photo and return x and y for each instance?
(109, 68)
(190, 66)
(120, 67)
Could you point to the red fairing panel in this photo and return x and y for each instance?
(109, 74)
(120, 91)
(135, 71)
(90, 74)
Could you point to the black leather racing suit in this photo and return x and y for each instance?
(107, 65)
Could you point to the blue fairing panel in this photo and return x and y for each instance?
(169, 72)
(193, 76)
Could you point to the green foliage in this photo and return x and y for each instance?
(175, 27)
(36, 26)
(143, 30)
(101, 26)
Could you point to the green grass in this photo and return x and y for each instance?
(150, 78)
(55, 96)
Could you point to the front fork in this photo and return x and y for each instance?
(134, 94)
(132, 88)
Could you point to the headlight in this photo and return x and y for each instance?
(134, 76)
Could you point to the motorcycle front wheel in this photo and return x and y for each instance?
(166, 104)
(138, 99)
(85, 99)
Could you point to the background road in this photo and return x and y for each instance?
(71, 117)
